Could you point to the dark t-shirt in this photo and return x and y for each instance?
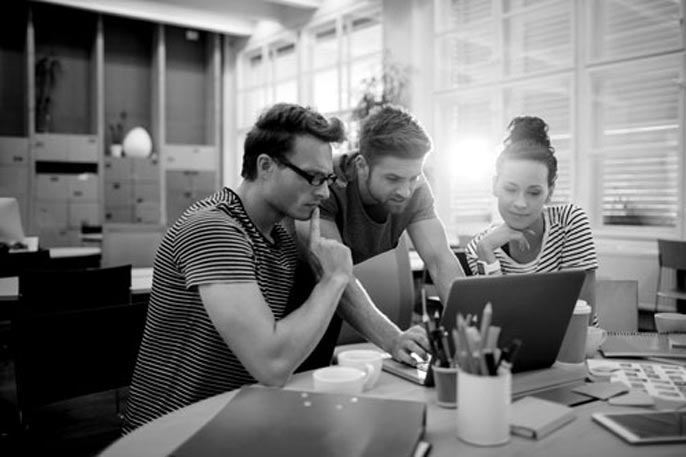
(363, 234)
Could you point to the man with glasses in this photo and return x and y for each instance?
(219, 314)
(380, 193)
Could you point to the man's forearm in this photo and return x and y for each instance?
(443, 273)
(357, 308)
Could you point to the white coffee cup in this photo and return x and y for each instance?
(594, 338)
(347, 380)
(366, 360)
(573, 348)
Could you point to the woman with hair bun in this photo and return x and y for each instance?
(533, 237)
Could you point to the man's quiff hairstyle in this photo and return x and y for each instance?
(392, 131)
(275, 131)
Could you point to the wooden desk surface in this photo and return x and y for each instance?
(581, 437)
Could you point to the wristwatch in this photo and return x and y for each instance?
(488, 268)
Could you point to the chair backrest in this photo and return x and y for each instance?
(132, 244)
(69, 354)
(74, 333)
(387, 278)
(63, 290)
(672, 254)
(617, 304)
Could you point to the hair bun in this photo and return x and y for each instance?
(528, 128)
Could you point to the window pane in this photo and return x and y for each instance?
(637, 104)
(285, 62)
(253, 71)
(633, 27)
(325, 90)
(453, 13)
(551, 100)
(467, 154)
(286, 92)
(251, 103)
(366, 37)
(639, 188)
(325, 48)
(538, 42)
(466, 58)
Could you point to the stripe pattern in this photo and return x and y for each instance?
(567, 244)
(183, 358)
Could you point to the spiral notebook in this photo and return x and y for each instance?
(643, 344)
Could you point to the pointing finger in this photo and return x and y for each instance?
(314, 225)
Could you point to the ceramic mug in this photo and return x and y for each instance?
(595, 336)
(364, 359)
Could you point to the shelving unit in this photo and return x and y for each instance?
(55, 157)
(14, 142)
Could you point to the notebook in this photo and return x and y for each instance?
(261, 421)
(535, 418)
(641, 344)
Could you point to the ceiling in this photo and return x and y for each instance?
(232, 17)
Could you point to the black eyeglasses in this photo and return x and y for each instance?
(314, 179)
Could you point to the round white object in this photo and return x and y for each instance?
(137, 143)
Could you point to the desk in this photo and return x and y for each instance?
(141, 283)
(581, 437)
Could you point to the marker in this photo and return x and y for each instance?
(485, 323)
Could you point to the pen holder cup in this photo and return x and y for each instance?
(483, 415)
(446, 386)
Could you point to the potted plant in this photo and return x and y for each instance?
(47, 71)
(117, 135)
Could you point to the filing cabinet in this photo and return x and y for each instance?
(14, 172)
(65, 147)
(185, 187)
(132, 190)
(189, 157)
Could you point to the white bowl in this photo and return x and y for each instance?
(670, 322)
(348, 380)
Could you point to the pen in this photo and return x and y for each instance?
(425, 315)
(485, 323)
(492, 338)
(446, 347)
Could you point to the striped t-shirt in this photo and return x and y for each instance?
(567, 244)
(183, 358)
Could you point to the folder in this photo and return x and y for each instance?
(261, 421)
(640, 344)
(535, 418)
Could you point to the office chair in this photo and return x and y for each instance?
(617, 304)
(131, 244)
(387, 278)
(74, 335)
(672, 255)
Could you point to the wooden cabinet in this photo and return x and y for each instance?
(65, 91)
(132, 190)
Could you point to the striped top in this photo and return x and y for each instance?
(567, 244)
(183, 358)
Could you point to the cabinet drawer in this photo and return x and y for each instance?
(204, 183)
(189, 157)
(118, 193)
(147, 213)
(82, 148)
(50, 146)
(53, 237)
(13, 180)
(119, 213)
(52, 187)
(146, 193)
(14, 150)
(83, 213)
(51, 214)
(178, 181)
(118, 168)
(147, 168)
(83, 186)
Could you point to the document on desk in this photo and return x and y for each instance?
(261, 421)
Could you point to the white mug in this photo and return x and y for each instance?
(347, 380)
(365, 359)
(594, 338)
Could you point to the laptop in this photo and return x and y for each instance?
(535, 308)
